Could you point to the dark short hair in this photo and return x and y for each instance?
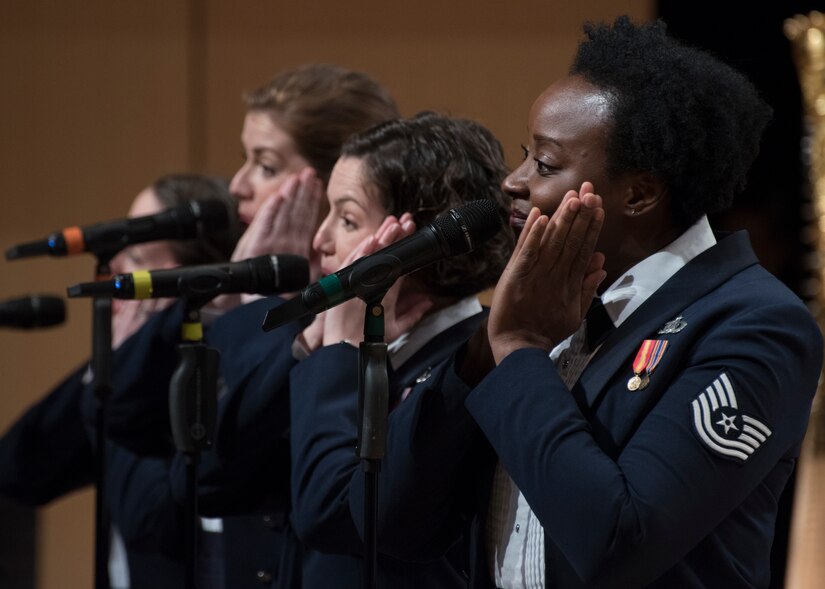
(427, 165)
(678, 112)
(217, 246)
(320, 106)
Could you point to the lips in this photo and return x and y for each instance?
(517, 217)
(245, 218)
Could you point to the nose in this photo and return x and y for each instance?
(322, 243)
(239, 186)
(515, 184)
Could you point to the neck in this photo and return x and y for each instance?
(412, 291)
(641, 238)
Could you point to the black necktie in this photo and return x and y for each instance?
(599, 324)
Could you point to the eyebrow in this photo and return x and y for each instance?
(344, 199)
(547, 139)
(262, 150)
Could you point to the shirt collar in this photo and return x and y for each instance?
(634, 287)
(403, 348)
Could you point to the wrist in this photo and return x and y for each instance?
(504, 346)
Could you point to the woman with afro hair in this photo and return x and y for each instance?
(636, 405)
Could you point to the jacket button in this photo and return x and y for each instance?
(264, 576)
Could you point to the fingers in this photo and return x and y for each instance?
(527, 256)
(253, 241)
(366, 247)
(572, 239)
(301, 196)
(391, 230)
(584, 235)
(534, 214)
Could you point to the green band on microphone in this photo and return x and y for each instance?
(332, 288)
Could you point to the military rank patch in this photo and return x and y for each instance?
(722, 427)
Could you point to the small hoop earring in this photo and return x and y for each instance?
(632, 211)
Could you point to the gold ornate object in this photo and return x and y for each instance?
(806, 556)
(807, 35)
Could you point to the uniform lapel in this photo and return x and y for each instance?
(436, 351)
(698, 277)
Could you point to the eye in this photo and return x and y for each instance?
(348, 224)
(268, 171)
(544, 169)
(525, 153)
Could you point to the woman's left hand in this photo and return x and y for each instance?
(402, 308)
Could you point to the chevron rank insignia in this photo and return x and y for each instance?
(722, 427)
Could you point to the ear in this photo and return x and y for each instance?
(645, 192)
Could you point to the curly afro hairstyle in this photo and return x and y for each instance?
(678, 112)
(427, 165)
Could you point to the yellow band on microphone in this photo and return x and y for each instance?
(142, 281)
(191, 332)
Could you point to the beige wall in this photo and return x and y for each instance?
(100, 97)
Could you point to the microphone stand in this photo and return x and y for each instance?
(193, 399)
(102, 386)
(373, 394)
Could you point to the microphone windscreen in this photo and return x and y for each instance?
(32, 311)
(291, 272)
(465, 227)
(47, 310)
(24, 250)
(212, 214)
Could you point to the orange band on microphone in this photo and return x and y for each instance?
(75, 243)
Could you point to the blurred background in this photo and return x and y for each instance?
(99, 98)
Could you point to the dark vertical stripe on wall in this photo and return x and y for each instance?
(750, 38)
(198, 16)
(17, 556)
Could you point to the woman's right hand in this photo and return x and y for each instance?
(403, 307)
(285, 224)
(286, 221)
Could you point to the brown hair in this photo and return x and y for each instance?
(320, 106)
(427, 165)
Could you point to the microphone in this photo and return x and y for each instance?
(32, 311)
(188, 221)
(458, 231)
(260, 275)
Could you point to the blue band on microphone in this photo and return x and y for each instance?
(332, 288)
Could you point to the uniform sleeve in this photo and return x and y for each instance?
(138, 408)
(140, 502)
(324, 424)
(667, 489)
(47, 452)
